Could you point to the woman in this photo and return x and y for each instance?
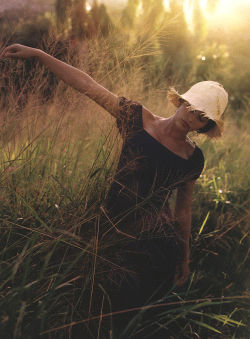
(157, 157)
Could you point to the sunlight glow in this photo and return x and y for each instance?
(201, 57)
(188, 8)
(88, 7)
(229, 13)
(203, 4)
(224, 13)
(167, 5)
(139, 9)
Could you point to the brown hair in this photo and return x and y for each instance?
(210, 124)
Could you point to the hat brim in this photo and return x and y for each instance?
(176, 99)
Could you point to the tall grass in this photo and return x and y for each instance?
(57, 162)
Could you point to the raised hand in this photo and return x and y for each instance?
(18, 51)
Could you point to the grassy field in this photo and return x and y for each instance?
(57, 162)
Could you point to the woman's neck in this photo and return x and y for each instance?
(170, 128)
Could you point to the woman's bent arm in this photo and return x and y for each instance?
(72, 76)
(183, 215)
(183, 223)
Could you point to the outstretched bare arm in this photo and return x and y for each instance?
(72, 76)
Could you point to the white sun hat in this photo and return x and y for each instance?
(207, 96)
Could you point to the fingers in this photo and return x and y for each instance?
(2, 54)
(10, 51)
(11, 55)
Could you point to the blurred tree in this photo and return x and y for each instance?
(95, 17)
(99, 20)
(129, 13)
(153, 11)
(79, 19)
(72, 17)
(200, 27)
(149, 5)
(62, 8)
(212, 4)
(105, 23)
(151, 29)
(177, 50)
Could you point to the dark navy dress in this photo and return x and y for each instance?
(146, 175)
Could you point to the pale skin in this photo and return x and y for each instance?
(171, 132)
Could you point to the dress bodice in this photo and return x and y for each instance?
(147, 171)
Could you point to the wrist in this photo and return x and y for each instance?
(38, 53)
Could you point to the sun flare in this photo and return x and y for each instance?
(203, 4)
(188, 7)
(167, 5)
(224, 12)
(88, 7)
